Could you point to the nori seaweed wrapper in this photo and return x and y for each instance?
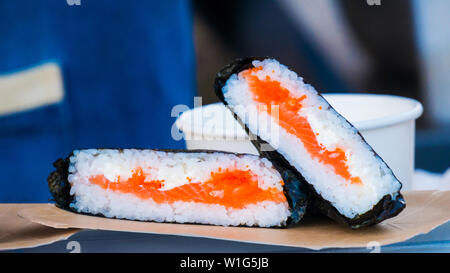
(386, 208)
(295, 191)
(58, 184)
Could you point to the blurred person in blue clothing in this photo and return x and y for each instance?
(124, 65)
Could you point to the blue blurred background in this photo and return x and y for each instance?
(97, 73)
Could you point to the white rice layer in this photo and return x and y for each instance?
(333, 132)
(176, 169)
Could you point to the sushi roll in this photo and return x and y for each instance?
(203, 187)
(292, 125)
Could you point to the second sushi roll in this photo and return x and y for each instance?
(205, 187)
(291, 124)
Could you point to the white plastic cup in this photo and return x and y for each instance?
(386, 122)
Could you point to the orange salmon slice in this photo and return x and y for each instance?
(270, 92)
(229, 188)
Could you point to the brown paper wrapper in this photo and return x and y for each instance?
(17, 232)
(425, 210)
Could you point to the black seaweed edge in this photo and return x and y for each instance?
(384, 209)
(59, 185)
